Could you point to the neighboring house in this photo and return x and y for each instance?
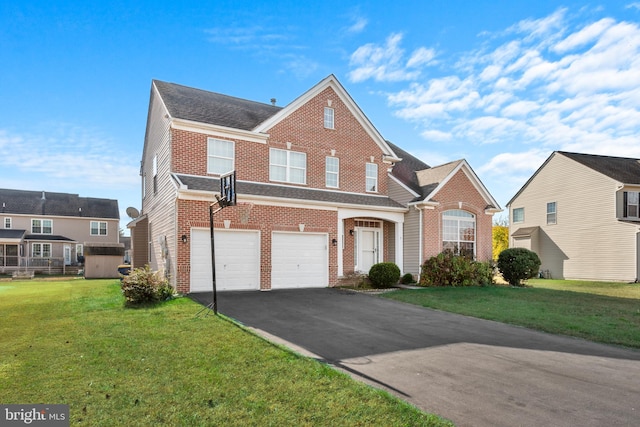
(321, 194)
(580, 213)
(46, 232)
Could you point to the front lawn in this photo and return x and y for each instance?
(73, 342)
(596, 311)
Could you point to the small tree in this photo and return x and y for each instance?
(384, 274)
(145, 286)
(517, 265)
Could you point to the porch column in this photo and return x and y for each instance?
(399, 246)
(340, 247)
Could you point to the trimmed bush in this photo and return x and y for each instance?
(449, 269)
(518, 265)
(384, 275)
(145, 286)
(407, 279)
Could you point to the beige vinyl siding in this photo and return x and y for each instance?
(587, 242)
(159, 205)
(411, 242)
(399, 193)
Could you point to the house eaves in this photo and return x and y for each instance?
(331, 81)
(205, 188)
(218, 131)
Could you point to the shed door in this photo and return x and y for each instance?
(237, 260)
(299, 260)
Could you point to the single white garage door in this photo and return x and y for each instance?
(299, 260)
(237, 260)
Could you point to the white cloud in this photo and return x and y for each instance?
(358, 26)
(523, 163)
(387, 63)
(67, 154)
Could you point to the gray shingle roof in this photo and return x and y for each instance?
(201, 106)
(12, 233)
(286, 192)
(405, 171)
(59, 204)
(622, 169)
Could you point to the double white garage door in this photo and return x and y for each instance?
(299, 260)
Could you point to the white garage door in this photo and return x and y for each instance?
(299, 260)
(237, 260)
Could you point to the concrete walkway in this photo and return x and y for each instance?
(471, 371)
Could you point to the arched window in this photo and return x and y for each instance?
(459, 232)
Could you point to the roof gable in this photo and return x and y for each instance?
(621, 169)
(333, 83)
(56, 204)
(197, 105)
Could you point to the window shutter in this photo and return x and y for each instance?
(624, 204)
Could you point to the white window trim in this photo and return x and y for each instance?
(327, 172)
(329, 118)
(554, 213)
(79, 249)
(635, 205)
(41, 252)
(375, 178)
(513, 215)
(458, 219)
(106, 228)
(42, 220)
(288, 166)
(212, 155)
(7, 220)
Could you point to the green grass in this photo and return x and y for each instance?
(603, 312)
(74, 342)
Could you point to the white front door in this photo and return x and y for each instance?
(67, 255)
(368, 249)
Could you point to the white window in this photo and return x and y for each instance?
(155, 174)
(372, 177)
(332, 173)
(220, 156)
(7, 222)
(41, 226)
(518, 215)
(79, 250)
(551, 213)
(287, 166)
(459, 232)
(328, 117)
(632, 204)
(98, 228)
(41, 250)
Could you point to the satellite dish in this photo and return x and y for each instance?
(132, 212)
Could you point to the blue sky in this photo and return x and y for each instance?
(500, 83)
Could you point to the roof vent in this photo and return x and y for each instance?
(273, 101)
(43, 197)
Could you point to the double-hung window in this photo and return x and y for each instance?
(332, 172)
(98, 228)
(551, 213)
(220, 156)
(328, 118)
(41, 250)
(459, 232)
(7, 222)
(632, 204)
(372, 177)
(287, 166)
(518, 215)
(41, 226)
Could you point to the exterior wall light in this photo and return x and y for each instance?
(184, 238)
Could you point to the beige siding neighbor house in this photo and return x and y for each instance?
(47, 232)
(321, 195)
(580, 214)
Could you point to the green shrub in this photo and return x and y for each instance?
(407, 279)
(517, 265)
(449, 269)
(145, 286)
(384, 275)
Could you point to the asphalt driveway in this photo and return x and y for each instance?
(471, 371)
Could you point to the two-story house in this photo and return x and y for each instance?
(580, 213)
(321, 194)
(45, 231)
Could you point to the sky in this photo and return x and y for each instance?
(499, 83)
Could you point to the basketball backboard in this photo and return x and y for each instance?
(228, 189)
